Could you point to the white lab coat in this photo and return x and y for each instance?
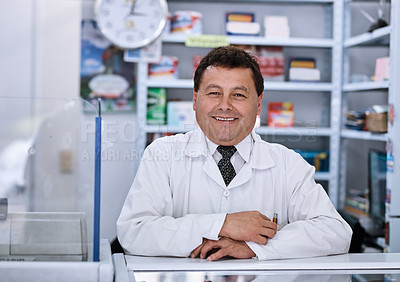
(178, 198)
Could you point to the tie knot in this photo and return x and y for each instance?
(226, 151)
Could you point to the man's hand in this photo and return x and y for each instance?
(250, 226)
(213, 250)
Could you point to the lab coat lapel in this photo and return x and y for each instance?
(196, 147)
(242, 177)
(260, 158)
(211, 169)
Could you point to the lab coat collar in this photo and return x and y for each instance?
(260, 159)
(260, 156)
(196, 144)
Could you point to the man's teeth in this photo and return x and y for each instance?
(224, 119)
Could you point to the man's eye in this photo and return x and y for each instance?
(239, 95)
(213, 93)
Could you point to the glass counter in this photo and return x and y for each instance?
(261, 277)
(47, 179)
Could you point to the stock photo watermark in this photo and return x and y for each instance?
(120, 138)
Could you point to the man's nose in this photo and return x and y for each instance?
(225, 103)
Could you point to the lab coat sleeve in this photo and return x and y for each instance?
(314, 227)
(146, 225)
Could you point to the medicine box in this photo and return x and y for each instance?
(156, 106)
(382, 69)
(318, 159)
(276, 26)
(166, 68)
(272, 63)
(237, 23)
(187, 23)
(280, 114)
(303, 69)
(181, 113)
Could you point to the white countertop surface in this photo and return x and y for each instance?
(61, 271)
(362, 261)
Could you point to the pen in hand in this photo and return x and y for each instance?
(275, 219)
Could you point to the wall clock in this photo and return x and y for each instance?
(131, 24)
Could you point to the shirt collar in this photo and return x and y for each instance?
(243, 148)
(198, 144)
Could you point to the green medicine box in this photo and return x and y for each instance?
(156, 106)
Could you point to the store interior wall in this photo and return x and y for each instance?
(40, 55)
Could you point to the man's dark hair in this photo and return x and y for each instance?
(230, 57)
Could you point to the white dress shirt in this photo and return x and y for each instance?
(178, 198)
(241, 155)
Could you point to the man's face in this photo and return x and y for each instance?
(226, 104)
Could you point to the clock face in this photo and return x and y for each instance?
(131, 24)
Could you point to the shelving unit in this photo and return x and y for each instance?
(331, 42)
(377, 37)
(374, 38)
(263, 41)
(270, 85)
(387, 36)
(364, 86)
(363, 135)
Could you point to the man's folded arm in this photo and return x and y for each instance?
(314, 227)
(306, 238)
(146, 225)
(167, 236)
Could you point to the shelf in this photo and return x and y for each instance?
(377, 37)
(170, 83)
(263, 130)
(263, 41)
(294, 131)
(268, 85)
(363, 135)
(362, 86)
(298, 86)
(289, 42)
(167, 128)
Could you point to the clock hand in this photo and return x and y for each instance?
(137, 14)
(132, 10)
(141, 14)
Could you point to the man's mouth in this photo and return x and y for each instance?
(225, 119)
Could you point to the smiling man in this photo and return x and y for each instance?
(213, 192)
(226, 104)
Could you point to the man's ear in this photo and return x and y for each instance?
(194, 100)
(259, 102)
